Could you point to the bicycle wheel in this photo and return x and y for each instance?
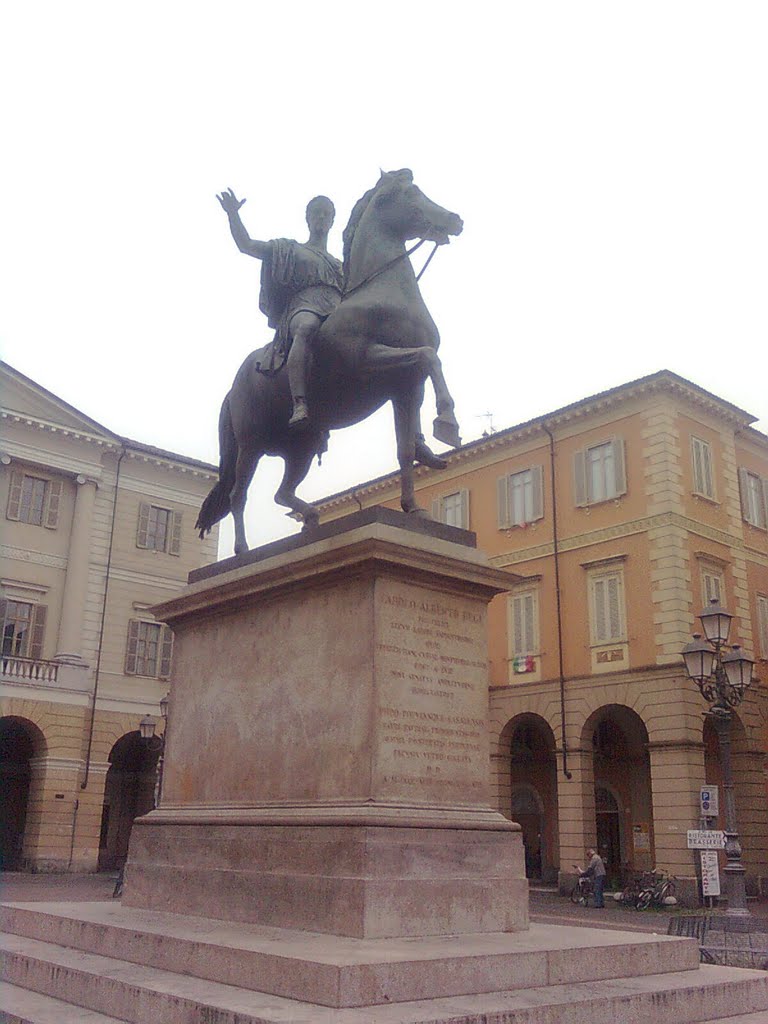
(577, 895)
(665, 890)
(644, 899)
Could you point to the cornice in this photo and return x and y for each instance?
(49, 460)
(168, 463)
(36, 557)
(28, 420)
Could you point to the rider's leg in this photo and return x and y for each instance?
(302, 328)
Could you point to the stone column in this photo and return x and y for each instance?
(677, 774)
(70, 641)
(576, 812)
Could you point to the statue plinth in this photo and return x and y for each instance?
(327, 759)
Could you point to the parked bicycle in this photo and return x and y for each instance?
(637, 884)
(659, 894)
(582, 892)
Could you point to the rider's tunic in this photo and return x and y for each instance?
(297, 278)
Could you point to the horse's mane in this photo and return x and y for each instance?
(357, 212)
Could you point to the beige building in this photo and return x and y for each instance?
(626, 512)
(96, 529)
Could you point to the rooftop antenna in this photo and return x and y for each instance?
(490, 429)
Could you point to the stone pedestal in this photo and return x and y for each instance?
(327, 761)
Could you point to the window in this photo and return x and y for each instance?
(701, 453)
(149, 649)
(762, 625)
(599, 472)
(712, 585)
(754, 498)
(23, 629)
(520, 497)
(607, 606)
(524, 616)
(159, 529)
(452, 509)
(34, 500)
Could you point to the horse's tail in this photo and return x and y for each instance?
(216, 505)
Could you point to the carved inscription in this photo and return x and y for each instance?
(432, 668)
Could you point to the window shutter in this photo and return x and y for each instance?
(744, 494)
(436, 510)
(166, 652)
(528, 609)
(762, 615)
(517, 624)
(599, 594)
(142, 538)
(14, 496)
(765, 503)
(174, 547)
(131, 650)
(580, 477)
(502, 495)
(537, 474)
(39, 615)
(464, 509)
(614, 610)
(52, 502)
(3, 606)
(619, 465)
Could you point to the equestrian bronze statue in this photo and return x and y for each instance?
(363, 340)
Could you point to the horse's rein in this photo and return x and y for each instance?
(391, 263)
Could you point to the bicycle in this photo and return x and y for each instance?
(582, 891)
(657, 894)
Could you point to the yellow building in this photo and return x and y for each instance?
(626, 512)
(96, 529)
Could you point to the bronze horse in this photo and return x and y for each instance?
(379, 345)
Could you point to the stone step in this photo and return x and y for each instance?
(759, 1017)
(345, 972)
(20, 1006)
(138, 994)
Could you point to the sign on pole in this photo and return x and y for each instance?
(710, 873)
(705, 839)
(710, 801)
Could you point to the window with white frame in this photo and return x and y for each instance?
(606, 606)
(703, 479)
(149, 649)
(762, 625)
(754, 498)
(452, 509)
(520, 497)
(34, 500)
(599, 472)
(159, 529)
(23, 628)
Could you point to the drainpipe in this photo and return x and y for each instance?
(556, 553)
(84, 783)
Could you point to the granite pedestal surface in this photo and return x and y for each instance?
(327, 759)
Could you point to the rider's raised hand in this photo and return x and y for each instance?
(229, 201)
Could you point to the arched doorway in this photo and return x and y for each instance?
(533, 793)
(128, 793)
(20, 742)
(623, 797)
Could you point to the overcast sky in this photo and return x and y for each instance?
(610, 161)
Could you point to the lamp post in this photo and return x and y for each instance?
(723, 675)
(147, 729)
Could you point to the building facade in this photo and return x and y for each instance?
(626, 513)
(96, 530)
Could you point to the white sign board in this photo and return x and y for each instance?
(710, 801)
(710, 873)
(705, 839)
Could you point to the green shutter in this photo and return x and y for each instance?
(13, 510)
(174, 547)
(166, 652)
(143, 526)
(580, 477)
(537, 476)
(37, 634)
(502, 497)
(436, 510)
(619, 466)
(132, 647)
(52, 503)
(464, 509)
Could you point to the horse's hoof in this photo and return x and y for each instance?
(446, 429)
(418, 511)
(311, 521)
(426, 457)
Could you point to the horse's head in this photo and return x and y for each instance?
(404, 208)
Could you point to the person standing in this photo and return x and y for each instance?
(595, 870)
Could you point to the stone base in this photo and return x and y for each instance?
(141, 966)
(358, 881)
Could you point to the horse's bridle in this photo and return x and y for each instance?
(390, 263)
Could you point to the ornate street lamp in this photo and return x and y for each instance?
(147, 727)
(723, 676)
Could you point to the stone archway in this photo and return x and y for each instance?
(21, 741)
(128, 794)
(623, 827)
(533, 793)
